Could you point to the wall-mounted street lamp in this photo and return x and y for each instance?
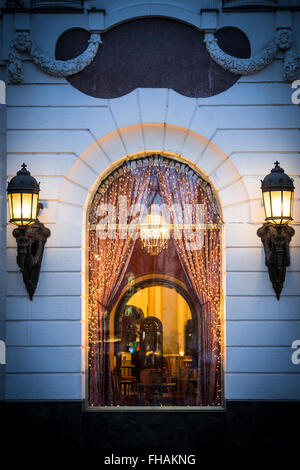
(31, 235)
(278, 197)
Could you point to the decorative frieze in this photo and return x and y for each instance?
(283, 41)
(63, 4)
(247, 3)
(14, 4)
(257, 4)
(59, 68)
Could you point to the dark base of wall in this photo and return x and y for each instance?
(63, 425)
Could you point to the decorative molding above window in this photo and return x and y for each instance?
(259, 3)
(58, 68)
(115, 69)
(64, 4)
(212, 51)
(210, 4)
(14, 4)
(250, 3)
(282, 41)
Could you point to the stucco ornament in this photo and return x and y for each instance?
(23, 43)
(14, 4)
(282, 41)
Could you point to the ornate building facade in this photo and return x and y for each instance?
(163, 103)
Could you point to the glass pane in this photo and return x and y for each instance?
(26, 203)
(10, 207)
(154, 288)
(292, 204)
(267, 204)
(34, 206)
(276, 203)
(16, 202)
(287, 203)
(149, 336)
(159, 301)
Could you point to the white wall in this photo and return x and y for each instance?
(68, 139)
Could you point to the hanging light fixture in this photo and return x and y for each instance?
(155, 234)
(30, 234)
(278, 195)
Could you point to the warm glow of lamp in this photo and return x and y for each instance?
(278, 196)
(23, 192)
(154, 234)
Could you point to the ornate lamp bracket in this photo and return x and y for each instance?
(276, 240)
(30, 242)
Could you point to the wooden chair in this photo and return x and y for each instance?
(151, 355)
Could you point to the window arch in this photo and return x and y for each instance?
(153, 216)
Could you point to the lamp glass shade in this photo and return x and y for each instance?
(278, 193)
(278, 206)
(23, 192)
(23, 208)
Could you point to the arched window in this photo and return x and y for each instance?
(154, 290)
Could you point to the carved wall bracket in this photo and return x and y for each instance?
(283, 41)
(31, 241)
(23, 43)
(276, 240)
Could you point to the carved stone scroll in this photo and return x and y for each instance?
(283, 41)
(59, 68)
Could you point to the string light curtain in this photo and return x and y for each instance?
(108, 262)
(203, 271)
(109, 259)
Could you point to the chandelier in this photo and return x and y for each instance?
(154, 234)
